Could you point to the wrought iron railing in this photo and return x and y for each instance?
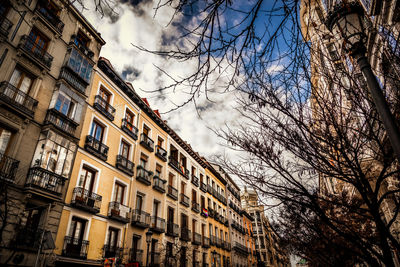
(195, 206)
(85, 199)
(125, 165)
(172, 229)
(196, 239)
(161, 153)
(159, 184)
(50, 17)
(61, 121)
(104, 107)
(39, 178)
(157, 224)
(96, 147)
(203, 187)
(17, 98)
(172, 192)
(185, 234)
(147, 142)
(129, 128)
(5, 26)
(195, 180)
(73, 79)
(184, 200)
(136, 256)
(8, 168)
(110, 251)
(118, 212)
(140, 218)
(143, 175)
(75, 248)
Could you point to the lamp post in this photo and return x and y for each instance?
(148, 241)
(346, 22)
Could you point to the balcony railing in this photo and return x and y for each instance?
(178, 167)
(196, 239)
(125, 165)
(240, 248)
(86, 200)
(143, 175)
(118, 212)
(213, 240)
(5, 26)
(161, 153)
(45, 181)
(159, 184)
(203, 187)
(73, 79)
(157, 224)
(17, 99)
(172, 192)
(172, 229)
(129, 128)
(140, 219)
(51, 18)
(206, 242)
(96, 147)
(112, 251)
(136, 256)
(83, 48)
(75, 248)
(147, 142)
(209, 189)
(218, 242)
(195, 206)
(61, 121)
(185, 234)
(195, 180)
(185, 200)
(8, 168)
(104, 107)
(35, 51)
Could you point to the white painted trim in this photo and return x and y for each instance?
(116, 226)
(131, 154)
(80, 214)
(125, 201)
(106, 126)
(133, 112)
(108, 89)
(96, 178)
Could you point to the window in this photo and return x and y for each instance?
(65, 105)
(119, 193)
(184, 221)
(38, 42)
(105, 95)
(130, 118)
(183, 185)
(170, 215)
(77, 228)
(183, 161)
(135, 247)
(146, 130)
(125, 149)
(139, 202)
(80, 65)
(81, 40)
(5, 140)
(86, 180)
(143, 160)
(54, 153)
(193, 170)
(194, 226)
(33, 217)
(201, 178)
(158, 170)
(97, 131)
(171, 179)
(112, 237)
(194, 196)
(21, 80)
(156, 206)
(160, 142)
(210, 229)
(202, 202)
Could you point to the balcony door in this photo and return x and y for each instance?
(37, 42)
(119, 193)
(97, 131)
(129, 117)
(170, 215)
(112, 239)
(22, 81)
(86, 181)
(125, 148)
(76, 232)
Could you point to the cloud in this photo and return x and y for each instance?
(130, 73)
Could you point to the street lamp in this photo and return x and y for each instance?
(345, 21)
(148, 241)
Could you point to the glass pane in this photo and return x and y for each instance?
(5, 137)
(67, 164)
(61, 159)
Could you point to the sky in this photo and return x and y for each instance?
(136, 24)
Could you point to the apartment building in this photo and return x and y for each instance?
(47, 52)
(249, 238)
(268, 250)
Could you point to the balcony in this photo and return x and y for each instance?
(73, 79)
(185, 200)
(209, 189)
(161, 153)
(172, 192)
(140, 219)
(5, 26)
(159, 184)
(203, 187)
(195, 180)
(213, 240)
(118, 212)
(178, 167)
(143, 175)
(136, 256)
(206, 242)
(96, 147)
(196, 239)
(130, 129)
(8, 168)
(17, 100)
(218, 242)
(185, 234)
(204, 212)
(125, 165)
(147, 142)
(61, 121)
(241, 248)
(112, 252)
(86, 200)
(75, 248)
(45, 182)
(195, 206)
(172, 229)
(210, 212)
(104, 107)
(35, 52)
(157, 224)
(51, 19)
